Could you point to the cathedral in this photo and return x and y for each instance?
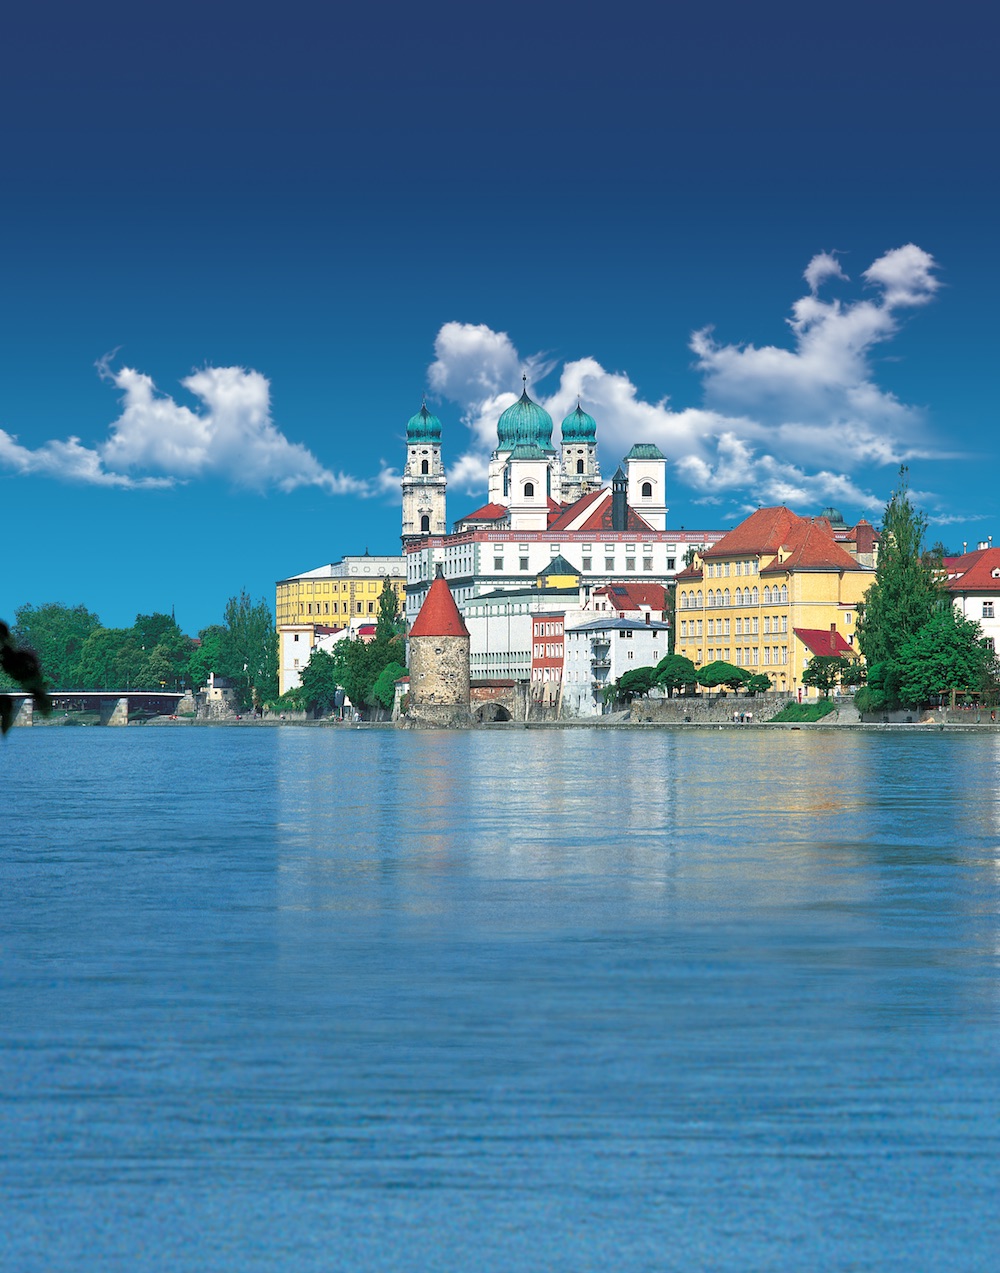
(544, 503)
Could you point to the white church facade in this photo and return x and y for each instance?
(543, 503)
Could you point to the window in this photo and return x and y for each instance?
(767, 625)
(684, 630)
(725, 569)
(371, 607)
(524, 563)
(671, 563)
(627, 634)
(529, 490)
(609, 563)
(579, 466)
(630, 563)
(630, 652)
(711, 627)
(755, 625)
(988, 610)
(754, 599)
(647, 490)
(767, 595)
(424, 467)
(295, 637)
(587, 563)
(726, 631)
(498, 563)
(699, 627)
(784, 600)
(425, 525)
(647, 563)
(725, 597)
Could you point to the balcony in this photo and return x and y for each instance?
(604, 663)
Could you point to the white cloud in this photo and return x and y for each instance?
(157, 441)
(824, 265)
(792, 423)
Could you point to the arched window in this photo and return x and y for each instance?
(579, 466)
(424, 467)
(529, 490)
(767, 595)
(710, 598)
(425, 524)
(725, 595)
(754, 601)
(647, 490)
(684, 601)
(784, 593)
(739, 596)
(698, 602)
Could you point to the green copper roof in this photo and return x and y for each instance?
(558, 566)
(645, 451)
(579, 427)
(527, 451)
(525, 421)
(834, 517)
(423, 427)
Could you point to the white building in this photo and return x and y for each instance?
(600, 651)
(543, 504)
(974, 583)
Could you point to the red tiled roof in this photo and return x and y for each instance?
(811, 546)
(762, 532)
(488, 513)
(822, 642)
(973, 572)
(439, 614)
(568, 517)
(689, 572)
(633, 596)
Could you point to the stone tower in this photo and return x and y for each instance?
(424, 482)
(581, 472)
(438, 660)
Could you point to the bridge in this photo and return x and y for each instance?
(113, 706)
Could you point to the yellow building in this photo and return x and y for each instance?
(345, 592)
(774, 592)
(321, 602)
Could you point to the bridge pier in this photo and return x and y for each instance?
(24, 711)
(114, 711)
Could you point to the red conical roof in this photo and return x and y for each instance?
(439, 615)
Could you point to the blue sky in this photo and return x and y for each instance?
(241, 242)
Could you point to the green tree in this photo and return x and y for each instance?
(319, 681)
(355, 669)
(825, 671)
(675, 672)
(384, 689)
(389, 623)
(719, 672)
(110, 660)
(249, 651)
(637, 682)
(206, 656)
(759, 683)
(56, 633)
(947, 653)
(905, 593)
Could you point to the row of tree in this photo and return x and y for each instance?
(76, 651)
(675, 673)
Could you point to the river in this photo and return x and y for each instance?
(346, 999)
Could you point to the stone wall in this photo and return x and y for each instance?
(439, 681)
(705, 709)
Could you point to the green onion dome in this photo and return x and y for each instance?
(525, 421)
(579, 427)
(423, 427)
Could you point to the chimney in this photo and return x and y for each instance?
(649, 618)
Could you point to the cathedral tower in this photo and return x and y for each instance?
(424, 482)
(580, 470)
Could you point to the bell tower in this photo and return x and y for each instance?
(424, 481)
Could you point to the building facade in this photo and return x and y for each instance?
(973, 581)
(600, 651)
(545, 504)
(763, 595)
